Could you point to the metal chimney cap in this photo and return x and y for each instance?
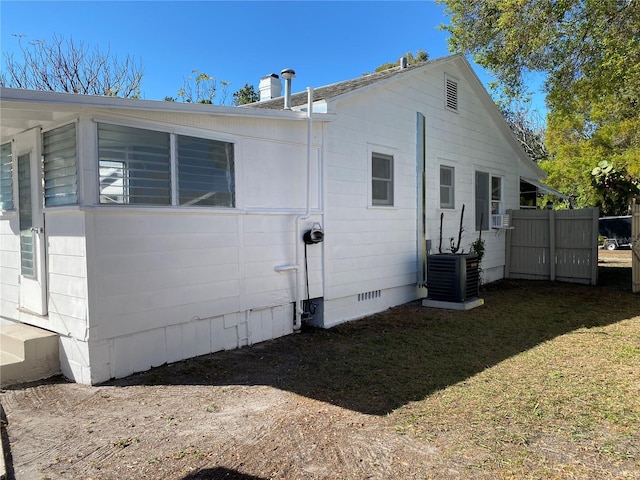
(288, 73)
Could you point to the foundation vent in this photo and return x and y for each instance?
(363, 297)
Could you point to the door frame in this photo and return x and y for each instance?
(33, 297)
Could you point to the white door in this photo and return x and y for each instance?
(33, 265)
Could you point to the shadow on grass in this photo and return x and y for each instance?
(380, 363)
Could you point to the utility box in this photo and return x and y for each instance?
(452, 277)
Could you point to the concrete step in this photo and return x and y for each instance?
(27, 354)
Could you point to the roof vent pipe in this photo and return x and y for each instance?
(403, 62)
(287, 74)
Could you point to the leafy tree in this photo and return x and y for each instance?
(589, 51)
(420, 56)
(245, 95)
(201, 88)
(68, 66)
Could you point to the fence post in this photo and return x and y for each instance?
(594, 249)
(507, 258)
(552, 245)
(635, 246)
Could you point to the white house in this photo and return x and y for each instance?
(145, 232)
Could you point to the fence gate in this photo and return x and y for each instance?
(553, 245)
(635, 241)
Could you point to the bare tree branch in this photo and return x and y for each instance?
(67, 66)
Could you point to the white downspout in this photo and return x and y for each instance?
(297, 324)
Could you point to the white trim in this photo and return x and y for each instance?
(453, 186)
(15, 95)
(170, 128)
(383, 150)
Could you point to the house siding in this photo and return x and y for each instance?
(169, 283)
(369, 248)
(133, 286)
(9, 264)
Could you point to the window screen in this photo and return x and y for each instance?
(447, 199)
(482, 201)
(381, 179)
(134, 166)
(496, 195)
(205, 172)
(60, 166)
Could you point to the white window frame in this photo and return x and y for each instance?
(390, 153)
(173, 159)
(451, 204)
(7, 171)
(494, 206)
(76, 196)
(497, 203)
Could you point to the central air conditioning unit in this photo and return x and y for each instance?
(501, 221)
(453, 277)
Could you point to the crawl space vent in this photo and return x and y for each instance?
(362, 297)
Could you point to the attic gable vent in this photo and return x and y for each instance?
(451, 94)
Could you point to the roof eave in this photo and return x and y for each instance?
(19, 96)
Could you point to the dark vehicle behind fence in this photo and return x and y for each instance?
(616, 232)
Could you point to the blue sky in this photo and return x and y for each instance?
(237, 41)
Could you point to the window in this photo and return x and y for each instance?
(447, 199)
(488, 197)
(381, 179)
(6, 177)
(482, 201)
(205, 172)
(134, 166)
(60, 166)
(451, 93)
(496, 195)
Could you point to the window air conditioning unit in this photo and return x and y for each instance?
(500, 221)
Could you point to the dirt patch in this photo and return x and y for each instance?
(321, 404)
(68, 431)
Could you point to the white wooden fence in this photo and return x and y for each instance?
(635, 235)
(553, 245)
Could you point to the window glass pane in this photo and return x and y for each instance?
(496, 188)
(205, 172)
(482, 201)
(381, 167)
(496, 195)
(60, 166)
(6, 177)
(446, 187)
(382, 179)
(25, 216)
(134, 166)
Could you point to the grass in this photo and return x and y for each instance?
(543, 381)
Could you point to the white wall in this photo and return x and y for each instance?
(9, 265)
(169, 283)
(374, 249)
(470, 141)
(370, 257)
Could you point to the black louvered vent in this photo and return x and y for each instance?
(452, 94)
(452, 278)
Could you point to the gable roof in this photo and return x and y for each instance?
(346, 86)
